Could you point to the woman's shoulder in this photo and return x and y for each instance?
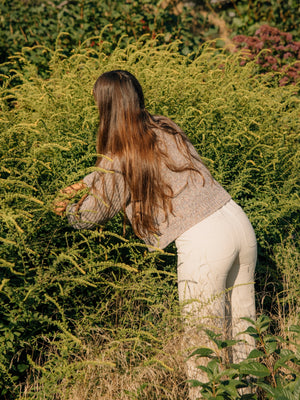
(169, 132)
(166, 122)
(175, 141)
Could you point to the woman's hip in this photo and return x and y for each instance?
(221, 235)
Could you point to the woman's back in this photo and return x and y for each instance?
(194, 195)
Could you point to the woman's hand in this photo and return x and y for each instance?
(59, 207)
(65, 195)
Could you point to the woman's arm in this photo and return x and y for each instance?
(105, 199)
(107, 195)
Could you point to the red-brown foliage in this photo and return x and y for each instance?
(281, 53)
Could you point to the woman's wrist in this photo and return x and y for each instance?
(70, 191)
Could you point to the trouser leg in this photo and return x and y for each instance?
(241, 304)
(240, 280)
(216, 254)
(205, 256)
(203, 307)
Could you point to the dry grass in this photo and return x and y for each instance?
(117, 370)
(160, 378)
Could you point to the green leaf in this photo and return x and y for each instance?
(252, 322)
(286, 353)
(22, 367)
(263, 323)
(253, 368)
(230, 388)
(213, 367)
(281, 362)
(268, 388)
(230, 372)
(202, 352)
(296, 387)
(251, 330)
(294, 328)
(255, 354)
(195, 383)
(211, 334)
(204, 369)
(270, 346)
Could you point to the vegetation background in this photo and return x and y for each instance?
(93, 314)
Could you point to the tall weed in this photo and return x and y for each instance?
(79, 306)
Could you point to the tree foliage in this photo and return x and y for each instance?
(244, 17)
(41, 23)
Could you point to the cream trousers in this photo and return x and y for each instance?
(216, 263)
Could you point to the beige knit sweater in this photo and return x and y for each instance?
(193, 201)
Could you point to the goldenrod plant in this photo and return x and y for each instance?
(93, 314)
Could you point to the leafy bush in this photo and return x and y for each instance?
(273, 51)
(271, 368)
(41, 23)
(83, 307)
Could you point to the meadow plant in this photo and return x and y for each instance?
(270, 371)
(93, 314)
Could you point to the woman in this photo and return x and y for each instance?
(155, 175)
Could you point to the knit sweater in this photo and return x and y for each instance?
(195, 196)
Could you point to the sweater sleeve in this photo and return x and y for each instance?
(107, 196)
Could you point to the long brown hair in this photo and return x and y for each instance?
(127, 131)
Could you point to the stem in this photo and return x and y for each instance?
(268, 363)
(236, 9)
(23, 33)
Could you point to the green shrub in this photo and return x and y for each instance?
(78, 303)
(41, 23)
(271, 369)
(244, 17)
